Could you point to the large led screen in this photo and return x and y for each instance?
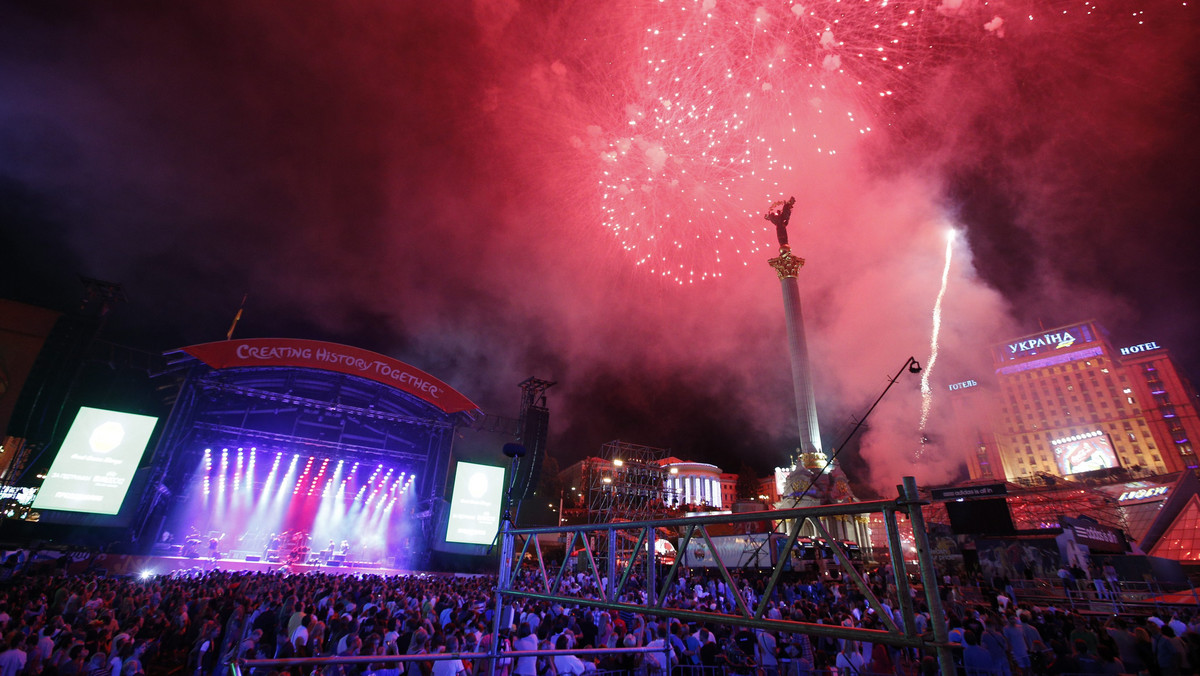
(475, 504)
(1084, 455)
(92, 470)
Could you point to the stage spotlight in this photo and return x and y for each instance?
(913, 366)
(513, 450)
(146, 574)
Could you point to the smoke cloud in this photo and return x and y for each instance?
(421, 179)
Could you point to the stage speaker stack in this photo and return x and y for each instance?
(273, 556)
(253, 557)
(535, 427)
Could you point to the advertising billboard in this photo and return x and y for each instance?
(475, 504)
(99, 456)
(1084, 453)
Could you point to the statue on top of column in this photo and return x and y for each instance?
(779, 214)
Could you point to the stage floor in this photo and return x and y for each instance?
(122, 564)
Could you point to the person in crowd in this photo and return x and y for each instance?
(12, 657)
(733, 659)
(419, 646)
(1017, 644)
(976, 659)
(1124, 643)
(1061, 660)
(1144, 648)
(526, 642)
(849, 659)
(385, 668)
(663, 659)
(449, 667)
(766, 652)
(1170, 652)
(569, 665)
(1107, 662)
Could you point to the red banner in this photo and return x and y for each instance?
(313, 354)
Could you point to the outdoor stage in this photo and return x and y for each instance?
(285, 445)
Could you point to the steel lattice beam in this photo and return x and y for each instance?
(591, 537)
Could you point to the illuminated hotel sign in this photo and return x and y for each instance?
(1042, 343)
(1134, 349)
(963, 385)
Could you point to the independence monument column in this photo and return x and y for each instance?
(787, 266)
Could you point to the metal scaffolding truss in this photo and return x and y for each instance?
(1040, 508)
(312, 404)
(600, 558)
(1039, 504)
(629, 484)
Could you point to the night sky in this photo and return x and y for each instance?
(480, 190)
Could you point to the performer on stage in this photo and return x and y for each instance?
(214, 545)
(273, 544)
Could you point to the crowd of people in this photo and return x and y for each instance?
(197, 623)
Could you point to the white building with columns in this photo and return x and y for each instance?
(693, 483)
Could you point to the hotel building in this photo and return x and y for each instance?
(1070, 402)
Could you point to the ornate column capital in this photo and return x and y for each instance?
(786, 264)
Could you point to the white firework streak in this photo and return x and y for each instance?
(926, 390)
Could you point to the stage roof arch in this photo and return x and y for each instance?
(314, 398)
(314, 354)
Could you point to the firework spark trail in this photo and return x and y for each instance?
(926, 389)
(671, 122)
(728, 98)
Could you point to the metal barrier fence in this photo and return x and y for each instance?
(599, 541)
(785, 667)
(1101, 596)
(241, 667)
